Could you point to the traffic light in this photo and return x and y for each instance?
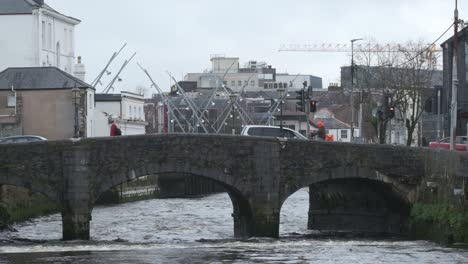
(300, 105)
(313, 106)
(391, 111)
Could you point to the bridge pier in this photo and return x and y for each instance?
(75, 223)
(254, 219)
(77, 201)
(258, 224)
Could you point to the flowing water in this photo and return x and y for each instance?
(201, 231)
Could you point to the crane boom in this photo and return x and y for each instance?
(330, 47)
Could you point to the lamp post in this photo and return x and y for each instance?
(233, 98)
(280, 96)
(352, 87)
(76, 100)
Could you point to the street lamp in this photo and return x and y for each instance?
(352, 88)
(233, 99)
(76, 101)
(280, 96)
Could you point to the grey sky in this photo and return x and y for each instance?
(179, 35)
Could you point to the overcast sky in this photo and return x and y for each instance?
(180, 35)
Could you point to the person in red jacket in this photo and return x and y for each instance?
(114, 129)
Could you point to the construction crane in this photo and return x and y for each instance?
(330, 47)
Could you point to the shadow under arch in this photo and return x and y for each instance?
(241, 213)
(357, 204)
(353, 199)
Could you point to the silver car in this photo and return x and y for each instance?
(21, 139)
(271, 131)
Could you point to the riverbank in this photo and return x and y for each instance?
(442, 223)
(19, 205)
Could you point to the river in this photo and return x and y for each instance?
(201, 231)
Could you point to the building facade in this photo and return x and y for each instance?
(462, 75)
(37, 36)
(45, 101)
(126, 109)
(253, 76)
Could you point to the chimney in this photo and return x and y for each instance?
(39, 2)
(79, 71)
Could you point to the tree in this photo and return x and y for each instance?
(141, 90)
(411, 77)
(405, 73)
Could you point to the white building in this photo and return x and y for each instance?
(340, 130)
(34, 34)
(127, 109)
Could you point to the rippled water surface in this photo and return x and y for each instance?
(201, 231)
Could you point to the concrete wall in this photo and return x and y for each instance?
(50, 114)
(18, 47)
(39, 39)
(47, 113)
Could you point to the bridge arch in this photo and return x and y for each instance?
(242, 209)
(343, 198)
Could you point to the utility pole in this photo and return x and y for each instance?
(310, 92)
(454, 108)
(438, 114)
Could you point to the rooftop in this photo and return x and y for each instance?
(20, 7)
(39, 78)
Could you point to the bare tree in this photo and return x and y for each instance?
(141, 90)
(403, 75)
(409, 80)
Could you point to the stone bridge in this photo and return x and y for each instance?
(259, 174)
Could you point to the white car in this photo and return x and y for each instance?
(271, 131)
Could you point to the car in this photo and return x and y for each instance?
(272, 131)
(460, 144)
(21, 139)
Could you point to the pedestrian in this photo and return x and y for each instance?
(114, 129)
(320, 133)
(321, 130)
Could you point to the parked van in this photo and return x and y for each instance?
(271, 131)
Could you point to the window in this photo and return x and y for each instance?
(135, 113)
(344, 133)
(71, 41)
(271, 132)
(129, 112)
(49, 34)
(252, 83)
(281, 85)
(65, 40)
(239, 83)
(276, 86)
(44, 42)
(11, 101)
(246, 83)
(265, 85)
(233, 83)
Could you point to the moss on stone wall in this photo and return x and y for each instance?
(439, 222)
(18, 204)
